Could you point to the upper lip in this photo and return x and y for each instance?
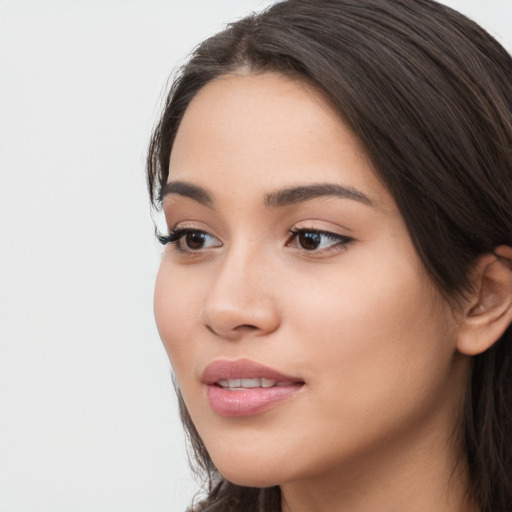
(225, 369)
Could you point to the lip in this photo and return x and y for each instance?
(242, 368)
(251, 401)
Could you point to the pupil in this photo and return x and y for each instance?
(309, 240)
(195, 240)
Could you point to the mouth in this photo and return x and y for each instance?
(242, 384)
(245, 388)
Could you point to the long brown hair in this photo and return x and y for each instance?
(429, 94)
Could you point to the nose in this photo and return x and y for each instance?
(241, 301)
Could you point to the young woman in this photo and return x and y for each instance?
(336, 286)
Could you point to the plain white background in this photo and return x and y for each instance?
(88, 419)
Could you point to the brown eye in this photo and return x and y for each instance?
(313, 240)
(190, 240)
(309, 240)
(195, 240)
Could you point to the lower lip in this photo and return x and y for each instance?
(248, 402)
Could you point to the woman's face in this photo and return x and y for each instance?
(304, 332)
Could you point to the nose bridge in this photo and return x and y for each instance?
(240, 299)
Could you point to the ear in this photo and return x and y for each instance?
(488, 314)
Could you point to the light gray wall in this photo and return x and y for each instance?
(87, 412)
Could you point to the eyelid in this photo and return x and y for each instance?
(171, 226)
(176, 235)
(339, 240)
(328, 240)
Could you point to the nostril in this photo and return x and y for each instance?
(236, 331)
(246, 328)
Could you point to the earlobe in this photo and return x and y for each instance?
(489, 314)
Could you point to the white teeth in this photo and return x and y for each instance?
(267, 383)
(236, 384)
(250, 383)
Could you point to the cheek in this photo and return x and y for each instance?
(176, 311)
(371, 341)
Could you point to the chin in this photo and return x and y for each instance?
(252, 470)
(255, 478)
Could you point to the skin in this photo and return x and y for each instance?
(359, 321)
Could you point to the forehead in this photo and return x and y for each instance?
(269, 131)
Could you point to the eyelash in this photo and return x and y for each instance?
(173, 236)
(339, 241)
(176, 235)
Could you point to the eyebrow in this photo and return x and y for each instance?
(184, 189)
(301, 194)
(278, 199)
